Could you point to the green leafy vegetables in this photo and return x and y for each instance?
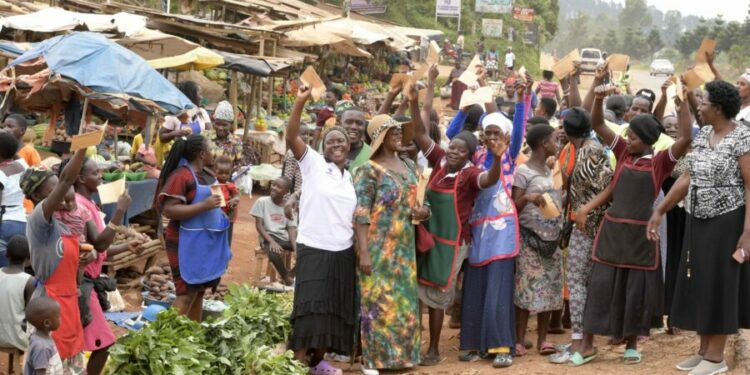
(241, 341)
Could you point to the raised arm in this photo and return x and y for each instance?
(597, 115)
(421, 134)
(601, 73)
(429, 94)
(65, 182)
(710, 56)
(293, 140)
(490, 107)
(574, 94)
(519, 117)
(102, 240)
(492, 175)
(661, 105)
(385, 108)
(685, 123)
(693, 102)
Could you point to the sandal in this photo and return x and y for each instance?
(632, 357)
(431, 360)
(520, 350)
(578, 360)
(325, 368)
(546, 349)
(560, 358)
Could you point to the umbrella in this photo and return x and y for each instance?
(105, 67)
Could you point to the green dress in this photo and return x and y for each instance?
(389, 307)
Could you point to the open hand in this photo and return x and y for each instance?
(275, 248)
(497, 146)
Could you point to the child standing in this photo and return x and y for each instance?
(548, 88)
(223, 171)
(16, 287)
(276, 232)
(42, 358)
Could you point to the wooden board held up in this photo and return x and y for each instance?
(312, 80)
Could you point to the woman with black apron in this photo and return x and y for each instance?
(625, 294)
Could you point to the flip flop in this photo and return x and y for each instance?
(632, 357)
(578, 360)
(547, 348)
(325, 368)
(520, 350)
(431, 360)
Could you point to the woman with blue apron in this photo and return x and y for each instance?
(196, 239)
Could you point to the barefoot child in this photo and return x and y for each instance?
(42, 358)
(277, 233)
(16, 287)
(625, 289)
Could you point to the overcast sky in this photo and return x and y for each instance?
(733, 10)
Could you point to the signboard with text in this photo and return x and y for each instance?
(448, 8)
(493, 6)
(523, 14)
(492, 28)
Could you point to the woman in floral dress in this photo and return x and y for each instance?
(386, 205)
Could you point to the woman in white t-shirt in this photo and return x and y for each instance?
(323, 314)
(12, 213)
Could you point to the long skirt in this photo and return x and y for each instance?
(323, 315)
(623, 302)
(676, 218)
(487, 315)
(539, 281)
(712, 294)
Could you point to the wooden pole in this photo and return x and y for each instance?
(233, 96)
(249, 106)
(259, 98)
(262, 47)
(270, 94)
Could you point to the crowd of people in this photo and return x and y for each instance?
(600, 213)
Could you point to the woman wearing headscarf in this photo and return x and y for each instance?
(12, 212)
(715, 257)
(487, 319)
(197, 237)
(453, 186)
(55, 230)
(586, 172)
(323, 313)
(226, 145)
(386, 189)
(625, 295)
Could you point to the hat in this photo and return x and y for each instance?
(497, 119)
(646, 127)
(33, 178)
(342, 106)
(224, 111)
(378, 128)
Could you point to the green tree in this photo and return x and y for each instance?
(635, 13)
(653, 41)
(611, 43)
(690, 41)
(672, 26)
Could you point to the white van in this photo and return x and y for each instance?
(590, 59)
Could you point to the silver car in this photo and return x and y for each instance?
(661, 66)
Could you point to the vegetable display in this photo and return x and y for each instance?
(242, 341)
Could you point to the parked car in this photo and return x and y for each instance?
(590, 59)
(661, 66)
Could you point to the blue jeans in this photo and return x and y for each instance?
(8, 229)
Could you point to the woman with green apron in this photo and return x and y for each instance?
(453, 186)
(625, 294)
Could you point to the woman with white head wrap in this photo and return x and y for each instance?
(487, 314)
(226, 145)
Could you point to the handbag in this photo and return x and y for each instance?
(424, 239)
(546, 249)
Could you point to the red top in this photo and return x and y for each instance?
(229, 190)
(466, 191)
(662, 162)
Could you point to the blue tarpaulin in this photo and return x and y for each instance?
(104, 66)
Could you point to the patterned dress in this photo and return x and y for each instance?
(232, 147)
(389, 309)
